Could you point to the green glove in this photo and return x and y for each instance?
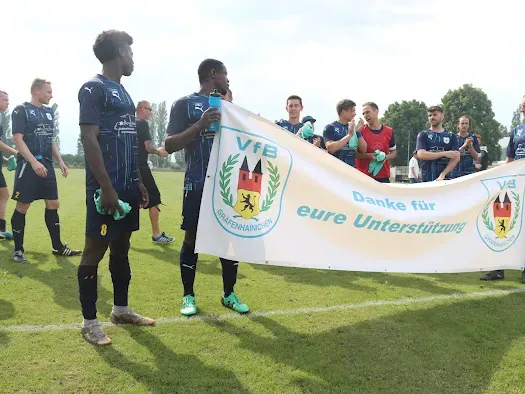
(380, 156)
(307, 130)
(11, 163)
(375, 165)
(353, 143)
(116, 215)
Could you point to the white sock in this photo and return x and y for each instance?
(88, 322)
(119, 309)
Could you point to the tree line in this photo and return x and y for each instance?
(407, 118)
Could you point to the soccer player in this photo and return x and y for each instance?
(337, 134)
(468, 148)
(294, 106)
(515, 151)
(32, 124)
(4, 192)
(187, 129)
(378, 137)
(147, 147)
(437, 148)
(109, 136)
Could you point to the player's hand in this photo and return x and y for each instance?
(469, 142)
(144, 196)
(39, 169)
(210, 116)
(317, 141)
(162, 152)
(360, 125)
(441, 177)
(109, 201)
(63, 168)
(351, 127)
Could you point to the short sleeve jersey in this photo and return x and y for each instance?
(334, 132)
(433, 141)
(516, 146)
(36, 125)
(1, 139)
(466, 162)
(106, 104)
(184, 113)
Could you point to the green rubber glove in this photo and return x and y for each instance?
(116, 215)
(353, 143)
(307, 130)
(380, 156)
(11, 163)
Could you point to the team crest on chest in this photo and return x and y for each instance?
(446, 140)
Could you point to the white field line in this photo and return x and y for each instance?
(285, 312)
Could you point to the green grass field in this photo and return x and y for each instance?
(380, 333)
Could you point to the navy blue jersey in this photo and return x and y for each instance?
(336, 131)
(466, 162)
(106, 104)
(293, 128)
(36, 125)
(516, 146)
(185, 112)
(433, 141)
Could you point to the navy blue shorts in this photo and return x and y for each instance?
(104, 227)
(191, 206)
(2, 179)
(30, 187)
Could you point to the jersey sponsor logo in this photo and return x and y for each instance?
(499, 223)
(115, 93)
(250, 182)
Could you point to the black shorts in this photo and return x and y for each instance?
(383, 180)
(2, 179)
(151, 187)
(30, 187)
(106, 228)
(191, 206)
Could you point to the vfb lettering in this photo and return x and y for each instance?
(268, 150)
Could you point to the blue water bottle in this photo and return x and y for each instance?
(215, 102)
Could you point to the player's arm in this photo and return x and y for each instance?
(392, 149)
(58, 158)
(422, 149)
(178, 135)
(510, 152)
(6, 148)
(333, 146)
(453, 156)
(19, 120)
(144, 137)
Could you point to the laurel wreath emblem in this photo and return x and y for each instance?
(486, 220)
(225, 180)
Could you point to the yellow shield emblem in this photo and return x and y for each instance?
(248, 191)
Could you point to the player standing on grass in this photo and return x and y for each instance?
(147, 147)
(4, 192)
(190, 118)
(33, 127)
(109, 136)
(437, 148)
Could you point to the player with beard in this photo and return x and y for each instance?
(109, 136)
(468, 148)
(187, 129)
(437, 148)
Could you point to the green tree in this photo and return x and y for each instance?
(162, 125)
(56, 124)
(80, 147)
(5, 120)
(153, 131)
(472, 101)
(516, 119)
(407, 119)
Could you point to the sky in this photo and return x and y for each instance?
(375, 50)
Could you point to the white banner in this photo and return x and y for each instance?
(272, 198)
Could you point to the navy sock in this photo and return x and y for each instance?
(188, 265)
(120, 276)
(87, 286)
(229, 275)
(2, 225)
(18, 225)
(53, 226)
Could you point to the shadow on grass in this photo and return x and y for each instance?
(447, 348)
(174, 373)
(7, 310)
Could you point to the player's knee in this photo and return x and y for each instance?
(22, 207)
(189, 238)
(4, 194)
(120, 247)
(52, 204)
(93, 252)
